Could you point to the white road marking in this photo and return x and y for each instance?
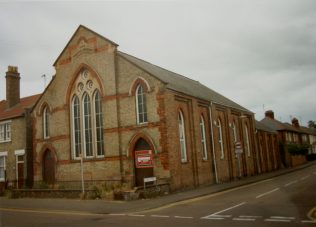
(280, 217)
(277, 220)
(159, 216)
(221, 211)
(221, 216)
(212, 218)
(185, 217)
(304, 178)
(249, 216)
(117, 214)
(292, 182)
(308, 221)
(244, 219)
(266, 193)
(136, 215)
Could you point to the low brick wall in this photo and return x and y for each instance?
(297, 160)
(48, 193)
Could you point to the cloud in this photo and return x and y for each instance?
(254, 52)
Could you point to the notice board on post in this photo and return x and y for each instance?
(144, 159)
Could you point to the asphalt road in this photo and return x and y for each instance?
(287, 200)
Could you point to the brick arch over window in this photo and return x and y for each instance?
(135, 139)
(42, 107)
(136, 82)
(74, 77)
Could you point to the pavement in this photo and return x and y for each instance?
(119, 207)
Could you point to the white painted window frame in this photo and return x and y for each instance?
(182, 141)
(220, 138)
(5, 131)
(3, 154)
(203, 138)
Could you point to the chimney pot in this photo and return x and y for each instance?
(269, 114)
(12, 86)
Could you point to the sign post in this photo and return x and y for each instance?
(238, 152)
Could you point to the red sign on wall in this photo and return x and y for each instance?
(144, 159)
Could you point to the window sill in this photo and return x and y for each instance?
(5, 141)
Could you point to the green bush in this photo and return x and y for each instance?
(297, 149)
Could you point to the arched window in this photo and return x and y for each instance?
(45, 123)
(87, 117)
(87, 126)
(203, 138)
(234, 132)
(141, 108)
(183, 151)
(98, 123)
(220, 138)
(76, 126)
(247, 141)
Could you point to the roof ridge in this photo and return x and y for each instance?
(121, 52)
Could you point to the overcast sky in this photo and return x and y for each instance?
(260, 54)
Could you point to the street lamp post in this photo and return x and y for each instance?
(82, 180)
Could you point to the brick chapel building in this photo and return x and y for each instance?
(129, 119)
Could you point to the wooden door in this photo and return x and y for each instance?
(141, 173)
(49, 167)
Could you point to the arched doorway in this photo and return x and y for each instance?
(49, 166)
(142, 151)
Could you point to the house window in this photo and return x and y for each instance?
(45, 123)
(5, 132)
(76, 126)
(220, 138)
(3, 166)
(141, 108)
(87, 126)
(98, 123)
(203, 138)
(247, 141)
(183, 151)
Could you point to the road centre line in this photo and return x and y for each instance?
(277, 220)
(266, 193)
(304, 178)
(212, 218)
(184, 217)
(159, 216)
(290, 183)
(221, 211)
(117, 214)
(308, 221)
(56, 212)
(244, 219)
(279, 217)
(136, 215)
(248, 216)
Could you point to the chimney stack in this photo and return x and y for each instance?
(12, 86)
(269, 114)
(295, 122)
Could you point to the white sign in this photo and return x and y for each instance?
(149, 179)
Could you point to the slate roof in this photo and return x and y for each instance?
(18, 109)
(274, 124)
(263, 127)
(181, 83)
